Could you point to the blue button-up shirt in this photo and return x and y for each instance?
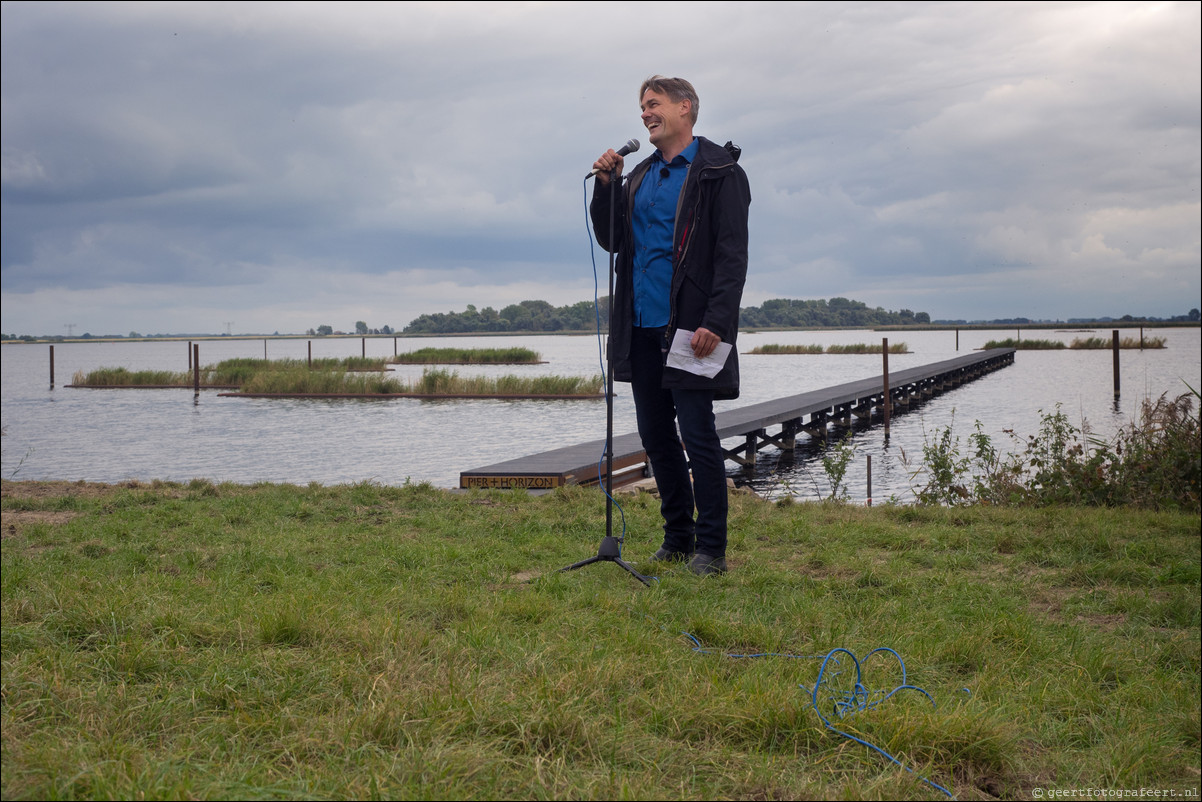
(654, 224)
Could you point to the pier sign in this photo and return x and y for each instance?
(467, 482)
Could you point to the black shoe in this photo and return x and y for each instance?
(707, 565)
(664, 555)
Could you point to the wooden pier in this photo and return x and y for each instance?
(810, 413)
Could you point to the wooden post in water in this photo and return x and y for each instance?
(957, 339)
(189, 356)
(364, 344)
(869, 480)
(887, 399)
(394, 346)
(52, 367)
(196, 368)
(264, 350)
(1141, 338)
(1115, 348)
(310, 355)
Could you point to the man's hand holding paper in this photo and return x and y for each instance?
(706, 359)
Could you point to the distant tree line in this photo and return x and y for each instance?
(537, 316)
(583, 316)
(361, 327)
(840, 313)
(524, 316)
(1193, 316)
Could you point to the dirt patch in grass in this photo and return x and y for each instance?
(59, 489)
(12, 523)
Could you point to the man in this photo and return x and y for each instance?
(680, 223)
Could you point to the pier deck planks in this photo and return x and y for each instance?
(582, 463)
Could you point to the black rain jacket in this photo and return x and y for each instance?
(709, 262)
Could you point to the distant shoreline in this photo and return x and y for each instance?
(1074, 327)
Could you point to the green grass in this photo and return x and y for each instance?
(1025, 345)
(1125, 343)
(1078, 343)
(230, 372)
(861, 348)
(171, 641)
(776, 348)
(231, 367)
(431, 382)
(468, 356)
(123, 377)
(344, 376)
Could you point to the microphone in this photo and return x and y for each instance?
(630, 147)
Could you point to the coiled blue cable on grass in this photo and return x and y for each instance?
(846, 703)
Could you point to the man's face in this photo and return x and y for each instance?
(664, 119)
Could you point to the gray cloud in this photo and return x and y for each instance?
(169, 167)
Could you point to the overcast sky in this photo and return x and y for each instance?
(261, 167)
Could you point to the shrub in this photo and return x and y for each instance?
(1153, 463)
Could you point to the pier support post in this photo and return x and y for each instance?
(1115, 348)
(788, 435)
(816, 428)
(52, 367)
(869, 480)
(886, 396)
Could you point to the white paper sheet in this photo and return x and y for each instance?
(680, 355)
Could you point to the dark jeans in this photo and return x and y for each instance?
(658, 411)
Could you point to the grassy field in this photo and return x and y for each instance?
(165, 641)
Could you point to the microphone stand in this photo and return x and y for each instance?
(611, 547)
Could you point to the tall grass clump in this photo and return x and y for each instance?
(1155, 462)
(356, 363)
(468, 356)
(1125, 343)
(302, 381)
(236, 372)
(431, 383)
(240, 369)
(860, 348)
(1025, 345)
(442, 382)
(123, 377)
(776, 348)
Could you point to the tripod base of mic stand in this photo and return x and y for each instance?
(610, 551)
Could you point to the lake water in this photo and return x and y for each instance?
(117, 435)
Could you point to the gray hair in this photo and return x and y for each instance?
(676, 89)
